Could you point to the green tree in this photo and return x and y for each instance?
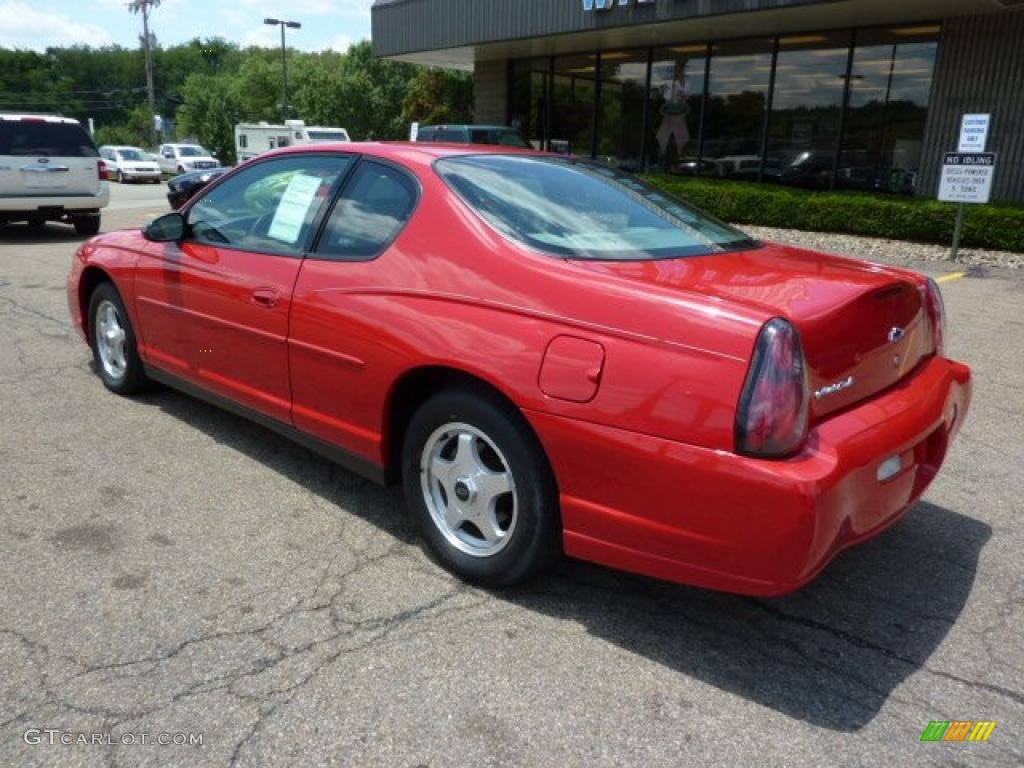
(437, 96)
(212, 106)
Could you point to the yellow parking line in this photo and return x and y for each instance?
(950, 277)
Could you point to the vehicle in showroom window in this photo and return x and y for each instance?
(550, 355)
(50, 170)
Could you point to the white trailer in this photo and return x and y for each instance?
(252, 139)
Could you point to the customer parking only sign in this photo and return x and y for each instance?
(967, 177)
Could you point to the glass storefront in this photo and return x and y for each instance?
(843, 109)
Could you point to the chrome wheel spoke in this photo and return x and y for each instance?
(469, 489)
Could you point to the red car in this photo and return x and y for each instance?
(549, 354)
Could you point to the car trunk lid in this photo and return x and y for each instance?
(863, 326)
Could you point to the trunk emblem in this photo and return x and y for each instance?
(897, 334)
(835, 389)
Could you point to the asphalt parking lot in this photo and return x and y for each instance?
(169, 568)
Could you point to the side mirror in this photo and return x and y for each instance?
(169, 228)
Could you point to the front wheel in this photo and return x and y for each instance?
(479, 488)
(120, 178)
(113, 343)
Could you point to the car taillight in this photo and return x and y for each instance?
(101, 171)
(772, 418)
(937, 315)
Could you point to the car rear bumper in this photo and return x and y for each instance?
(722, 521)
(53, 204)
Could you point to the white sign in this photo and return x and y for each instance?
(967, 177)
(414, 131)
(974, 133)
(294, 207)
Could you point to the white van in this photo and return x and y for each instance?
(252, 139)
(50, 170)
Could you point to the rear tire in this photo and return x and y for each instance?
(86, 225)
(479, 488)
(112, 339)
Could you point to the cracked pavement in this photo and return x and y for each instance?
(168, 567)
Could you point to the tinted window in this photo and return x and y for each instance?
(499, 136)
(269, 207)
(192, 151)
(584, 210)
(24, 138)
(376, 203)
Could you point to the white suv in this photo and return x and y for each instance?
(182, 158)
(50, 171)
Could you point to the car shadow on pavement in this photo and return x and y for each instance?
(830, 655)
(53, 232)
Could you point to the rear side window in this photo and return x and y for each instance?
(28, 138)
(376, 203)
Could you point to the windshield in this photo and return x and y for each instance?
(192, 151)
(583, 210)
(328, 136)
(130, 154)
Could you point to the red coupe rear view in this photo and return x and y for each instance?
(551, 356)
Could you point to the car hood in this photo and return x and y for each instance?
(863, 326)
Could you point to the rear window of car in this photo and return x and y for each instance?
(584, 210)
(29, 138)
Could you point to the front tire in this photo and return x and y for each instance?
(120, 178)
(479, 488)
(113, 343)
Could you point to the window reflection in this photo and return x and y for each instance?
(737, 100)
(572, 113)
(803, 134)
(888, 107)
(621, 112)
(746, 125)
(676, 106)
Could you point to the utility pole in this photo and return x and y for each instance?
(144, 7)
(284, 59)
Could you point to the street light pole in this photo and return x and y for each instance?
(284, 59)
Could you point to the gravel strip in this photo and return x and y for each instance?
(890, 251)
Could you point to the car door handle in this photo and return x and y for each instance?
(265, 297)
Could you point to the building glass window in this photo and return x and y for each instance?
(675, 109)
(572, 112)
(528, 102)
(889, 93)
(737, 101)
(807, 106)
(620, 118)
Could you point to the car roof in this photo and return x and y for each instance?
(427, 151)
(30, 117)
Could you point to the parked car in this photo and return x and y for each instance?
(499, 135)
(50, 170)
(130, 163)
(182, 158)
(550, 355)
(181, 188)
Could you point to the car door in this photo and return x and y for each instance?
(168, 159)
(336, 348)
(214, 307)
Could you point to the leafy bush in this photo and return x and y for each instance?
(997, 227)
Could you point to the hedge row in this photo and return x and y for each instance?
(996, 227)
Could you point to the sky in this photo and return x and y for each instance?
(326, 24)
